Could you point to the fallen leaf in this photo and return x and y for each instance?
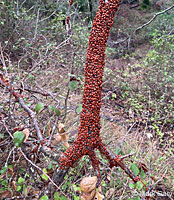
(56, 139)
(27, 134)
(13, 185)
(88, 188)
(109, 177)
(99, 196)
(10, 171)
(110, 193)
(63, 134)
(61, 127)
(88, 184)
(88, 196)
(5, 194)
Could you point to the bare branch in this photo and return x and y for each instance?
(43, 173)
(5, 83)
(153, 18)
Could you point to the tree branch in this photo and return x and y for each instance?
(153, 18)
(5, 83)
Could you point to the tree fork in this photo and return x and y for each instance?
(88, 138)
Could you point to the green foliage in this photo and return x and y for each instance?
(151, 98)
(54, 109)
(45, 197)
(43, 175)
(38, 107)
(135, 169)
(79, 109)
(19, 137)
(146, 4)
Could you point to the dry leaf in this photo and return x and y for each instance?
(61, 127)
(27, 134)
(109, 177)
(88, 188)
(10, 171)
(13, 185)
(88, 184)
(88, 196)
(99, 196)
(100, 189)
(56, 139)
(110, 192)
(64, 136)
(49, 128)
(5, 194)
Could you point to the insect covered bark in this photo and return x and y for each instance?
(89, 130)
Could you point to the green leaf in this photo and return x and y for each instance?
(76, 188)
(19, 137)
(25, 190)
(143, 175)
(38, 107)
(50, 166)
(72, 85)
(63, 198)
(118, 151)
(3, 170)
(79, 109)
(76, 198)
(43, 175)
(139, 185)
(54, 109)
(4, 183)
(114, 96)
(45, 197)
(132, 186)
(21, 180)
(56, 196)
(19, 188)
(135, 169)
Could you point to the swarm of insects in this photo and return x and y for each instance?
(89, 131)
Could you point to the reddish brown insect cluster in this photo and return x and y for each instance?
(67, 20)
(89, 131)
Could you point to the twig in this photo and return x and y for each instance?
(152, 186)
(5, 83)
(127, 156)
(53, 129)
(37, 19)
(66, 100)
(153, 18)
(2, 58)
(9, 154)
(127, 134)
(7, 129)
(33, 117)
(11, 93)
(43, 173)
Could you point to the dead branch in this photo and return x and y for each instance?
(153, 18)
(6, 84)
